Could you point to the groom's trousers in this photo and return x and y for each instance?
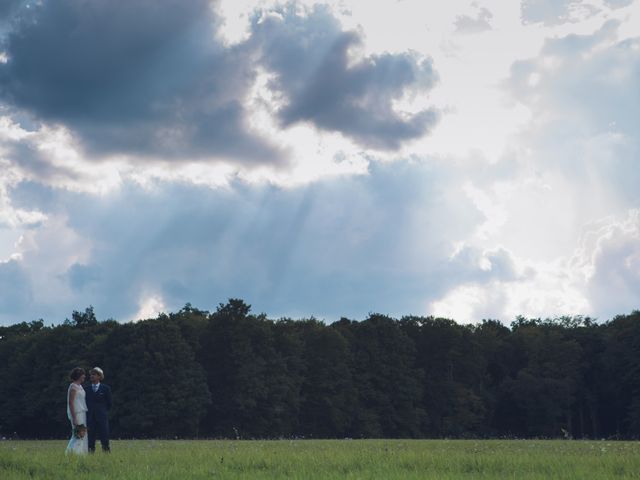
(98, 427)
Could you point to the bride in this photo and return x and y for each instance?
(77, 413)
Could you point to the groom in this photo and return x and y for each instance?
(98, 397)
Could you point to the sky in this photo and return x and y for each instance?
(466, 159)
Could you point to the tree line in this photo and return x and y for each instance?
(234, 374)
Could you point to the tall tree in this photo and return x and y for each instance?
(453, 371)
(622, 384)
(388, 385)
(244, 369)
(543, 391)
(159, 389)
(328, 392)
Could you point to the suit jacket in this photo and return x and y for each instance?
(98, 402)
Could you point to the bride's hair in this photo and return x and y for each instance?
(76, 373)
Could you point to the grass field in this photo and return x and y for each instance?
(330, 459)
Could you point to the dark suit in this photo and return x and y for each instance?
(98, 403)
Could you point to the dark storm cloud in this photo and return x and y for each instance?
(150, 78)
(8, 8)
(310, 57)
(141, 76)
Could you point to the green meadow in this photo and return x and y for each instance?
(325, 459)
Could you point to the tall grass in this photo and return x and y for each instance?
(325, 459)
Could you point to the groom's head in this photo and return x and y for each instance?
(96, 374)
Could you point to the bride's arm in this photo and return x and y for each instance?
(72, 396)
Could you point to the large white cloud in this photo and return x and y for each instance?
(612, 253)
(601, 279)
(573, 166)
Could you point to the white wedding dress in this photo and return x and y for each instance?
(78, 446)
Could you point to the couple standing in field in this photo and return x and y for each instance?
(88, 411)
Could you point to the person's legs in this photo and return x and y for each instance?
(104, 435)
(91, 432)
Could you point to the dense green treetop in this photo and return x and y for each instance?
(233, 373)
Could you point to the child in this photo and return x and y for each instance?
(76, 444)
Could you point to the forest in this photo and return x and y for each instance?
(235, 374)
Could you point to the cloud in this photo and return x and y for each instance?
(323, 81)
(554, 12)
(546, 291)
(563, 200)
(500, 285)
(477, 24)
(16, 293)
(140, 77)
(52, 157)
(82, 276)
(152, 80)
(150, 307)
(337, 247)
(139, 172)
(11, 217)
(582, 94)
(8, 8)
(618, 3)
(547, 11)
(611, 255)
(469, 264)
